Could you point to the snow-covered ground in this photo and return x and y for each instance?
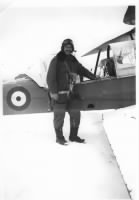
(34, 167)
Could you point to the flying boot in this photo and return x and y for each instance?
(60, 138)
(73, 136)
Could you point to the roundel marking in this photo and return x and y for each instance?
(18, 98)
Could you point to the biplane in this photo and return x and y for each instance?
(115, 88)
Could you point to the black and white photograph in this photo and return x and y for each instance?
(68, 101)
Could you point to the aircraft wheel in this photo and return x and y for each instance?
(18, 98)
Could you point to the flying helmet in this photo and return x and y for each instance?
(66, 42)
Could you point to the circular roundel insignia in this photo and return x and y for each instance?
(18, 98)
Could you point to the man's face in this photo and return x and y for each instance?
(68, 49)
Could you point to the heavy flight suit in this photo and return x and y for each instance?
(58, 80)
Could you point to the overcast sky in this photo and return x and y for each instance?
(31, 32)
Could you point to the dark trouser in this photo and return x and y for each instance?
(59, 115)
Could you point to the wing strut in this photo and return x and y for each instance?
(97, 61)
(108, 51)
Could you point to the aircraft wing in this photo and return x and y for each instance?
(124, 37)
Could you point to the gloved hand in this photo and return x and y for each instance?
(91, 76)
(54, 96)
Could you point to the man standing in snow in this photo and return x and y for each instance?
(62, 72)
